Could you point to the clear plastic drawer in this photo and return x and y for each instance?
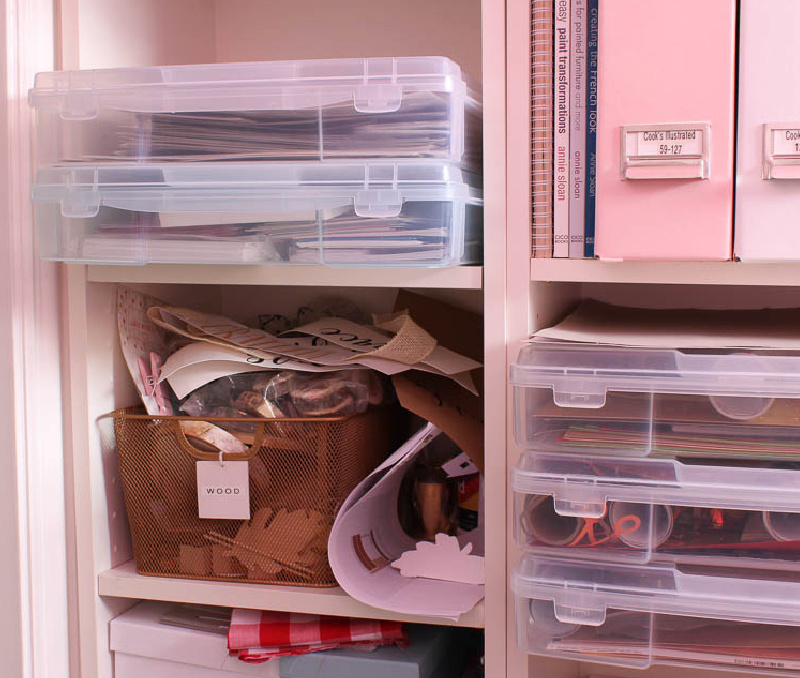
(637, 616)
(645, 510)
(591, 399)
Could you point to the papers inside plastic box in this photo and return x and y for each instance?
(333, 109)
(643, 510)
(642, 615)
(371, 214)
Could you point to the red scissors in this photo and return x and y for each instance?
(591, 526)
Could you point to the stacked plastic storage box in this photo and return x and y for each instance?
(349, 161)
(657, 506)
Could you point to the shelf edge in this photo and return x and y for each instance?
(124, 582)
(666, 272)
(456, 277)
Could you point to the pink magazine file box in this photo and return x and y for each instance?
(665, 132)
(767, 224)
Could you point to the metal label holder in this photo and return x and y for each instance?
(781, 151)
(666, 151)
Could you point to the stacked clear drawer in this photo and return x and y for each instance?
(342, 162)
(657, 506)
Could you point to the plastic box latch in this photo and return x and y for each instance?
(588, 507)
(81, 204)
(79, 106)
(583, 613)
(378, 98)
(588, 395)
(378, 203)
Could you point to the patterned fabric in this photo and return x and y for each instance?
(256, 636)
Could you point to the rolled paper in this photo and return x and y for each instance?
(782, 526)
(544, 525)
(543, 619)
(655, 523)
(741, 408)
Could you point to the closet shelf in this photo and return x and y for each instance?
(666, 272)
(457, 277)
(124, 582)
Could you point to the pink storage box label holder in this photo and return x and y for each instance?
(665, 130)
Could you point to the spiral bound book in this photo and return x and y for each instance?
(542, 127)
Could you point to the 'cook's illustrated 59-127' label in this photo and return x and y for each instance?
(674, 150)
(666, 143)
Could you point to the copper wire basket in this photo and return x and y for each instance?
(300, 472)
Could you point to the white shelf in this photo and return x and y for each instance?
(124, 582)
(665, 272)
(457, 277)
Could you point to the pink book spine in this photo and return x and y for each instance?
(561, 129)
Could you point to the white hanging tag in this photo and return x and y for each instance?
(223, 490)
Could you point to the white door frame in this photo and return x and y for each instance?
(34, 621)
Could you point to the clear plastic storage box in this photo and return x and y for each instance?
(644, 510)
(630, 615)
(403, 107)
(607, 400)
(423, 213)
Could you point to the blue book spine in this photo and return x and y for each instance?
(590, 191)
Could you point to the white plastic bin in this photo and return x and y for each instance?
(637, 616)
(608, 400)
(423, 213)
(333, 109)
(646, 510)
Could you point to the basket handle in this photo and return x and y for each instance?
(203, 455)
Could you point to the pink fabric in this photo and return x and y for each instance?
(256, 636)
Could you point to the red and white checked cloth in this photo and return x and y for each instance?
(256, 636)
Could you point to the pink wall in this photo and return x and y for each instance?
(315, 29)
(145, 32)
(157, 32)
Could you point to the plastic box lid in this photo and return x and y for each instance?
(583, 487)
(582, 591)
(374, 189)
(374, 85)
(580, 375)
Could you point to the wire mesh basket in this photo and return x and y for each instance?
(300, 471)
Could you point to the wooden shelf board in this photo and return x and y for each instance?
(666, 272)
(124, 582)
(456, 277)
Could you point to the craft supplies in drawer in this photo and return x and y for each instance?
(332, 109)
(609, 400)
(642, 510)
(297, 473)
(642, 615)
(372, 214)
